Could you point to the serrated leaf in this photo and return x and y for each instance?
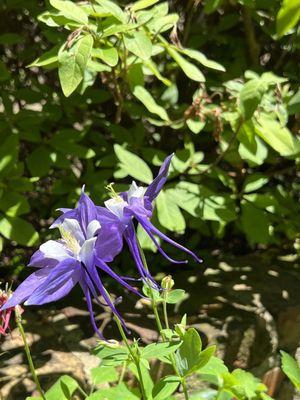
(146, 98)
(72, 64)
(190, 70)
(133, 165)
(139, 44)
(155, 350)
(70, 10)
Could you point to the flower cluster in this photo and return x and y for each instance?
(91, 237)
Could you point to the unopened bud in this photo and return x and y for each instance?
(167, 282)
(180, 330)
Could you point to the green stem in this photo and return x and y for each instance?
(122, 373)
(133, 356)
(165, 311)
(28, 354)
(184, 387)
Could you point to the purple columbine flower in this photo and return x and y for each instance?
(78, 257)
(137, 203)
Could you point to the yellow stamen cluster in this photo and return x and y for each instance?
(70, 241)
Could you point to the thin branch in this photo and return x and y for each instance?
(253, 46)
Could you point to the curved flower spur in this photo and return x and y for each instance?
(84, 246)
(137, 203)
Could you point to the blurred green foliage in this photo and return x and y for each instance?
(115, 87)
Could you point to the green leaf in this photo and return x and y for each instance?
(165, 387)
(202, 59)
(118, 392)
(153, 68)
(188, 68)
(47, 59)
(155, 350)
(113, 9)
(133, 165)
(141, 4)
(195, 125)
(260, 231)
(22, 232)
(189, 355)
(168, 212)
(8, 154)
(291, 368)
(277, 136)
(104, 374)
(62, 389)
(39, 161)
(70, 10)
(254, 182)
(72, 64)
(175, 296)
(107, 54)
(146, 98)
(288, 16)
(14, 204)
(139, 44)
(250, 97)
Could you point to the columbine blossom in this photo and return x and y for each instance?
(78, 257)
(137, 203)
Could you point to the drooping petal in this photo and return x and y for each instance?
(109, 271)
(155, 187)
(39, 260)
(159, 248)
(132, 242)
(26, 288)
(87, 294)
(155, 231)
(58, 283)
(55, 250)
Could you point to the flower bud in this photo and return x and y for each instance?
(112, 344)
(167, 282)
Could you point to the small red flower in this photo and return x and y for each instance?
(6, 314)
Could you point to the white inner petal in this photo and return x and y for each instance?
(55, 250)
(92, 228)
(116, 206)
(86, 251)
(135, 191)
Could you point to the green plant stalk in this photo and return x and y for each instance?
(133, 356)
(159, 325)
(28, 354)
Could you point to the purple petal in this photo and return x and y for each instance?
(154, 230)
(39, 260)
(109, 242)
(26, 288)
(58, 283)
(68, 213)
(87, 210)
(132, 242)
(155, 187)
(115, 276)
(87, 294)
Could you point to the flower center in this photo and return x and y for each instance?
(70, 241)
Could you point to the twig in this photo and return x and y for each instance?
(253, 46)
(222, 155)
